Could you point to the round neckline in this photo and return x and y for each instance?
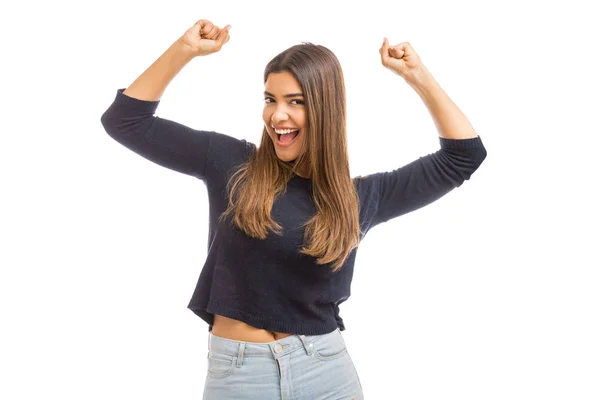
(300, 177)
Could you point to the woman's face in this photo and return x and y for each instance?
(284, 110)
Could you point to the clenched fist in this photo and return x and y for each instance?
(205, 38)
(401, 59)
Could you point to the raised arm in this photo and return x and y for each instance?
(130, 119)
(430, 177)
(201, 39)
(403, 60)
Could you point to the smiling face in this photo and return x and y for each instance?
(285, 110)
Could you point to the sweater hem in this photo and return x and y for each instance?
(470, 143)
(142, 105)
(263, 322)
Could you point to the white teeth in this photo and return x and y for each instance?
(285, 131)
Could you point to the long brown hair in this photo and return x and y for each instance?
(334, 231)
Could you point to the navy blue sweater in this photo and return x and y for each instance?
(267, 283)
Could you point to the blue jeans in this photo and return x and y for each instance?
(296, 367)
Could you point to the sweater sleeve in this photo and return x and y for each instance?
(132, 123)
(426, 179)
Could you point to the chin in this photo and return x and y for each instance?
(286, 158)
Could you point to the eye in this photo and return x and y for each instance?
(298, 102)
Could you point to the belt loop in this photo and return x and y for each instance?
(307, 346)
(208, 353)
(240, 356)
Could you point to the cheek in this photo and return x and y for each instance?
(302, 120)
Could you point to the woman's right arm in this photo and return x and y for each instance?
(152, 83)
(130, 118)
(201, 39)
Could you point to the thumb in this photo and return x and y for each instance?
(383, 51)
(223, 36)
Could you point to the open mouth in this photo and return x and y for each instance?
(288, 138)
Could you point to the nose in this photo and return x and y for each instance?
(279, 115)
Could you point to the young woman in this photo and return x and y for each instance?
(286, 218)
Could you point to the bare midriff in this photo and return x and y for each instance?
(237, 330)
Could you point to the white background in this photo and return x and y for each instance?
(489, 293)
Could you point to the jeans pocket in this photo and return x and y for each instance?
(220, 366)
(327, 350)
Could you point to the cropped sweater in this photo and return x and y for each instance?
(267, 283)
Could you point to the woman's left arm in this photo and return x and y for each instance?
(430, 177)
(450, 122)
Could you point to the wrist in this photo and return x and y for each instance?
(421, 80)
(183, 50)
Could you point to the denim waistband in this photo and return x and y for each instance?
(274, 349)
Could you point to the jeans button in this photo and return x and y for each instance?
(278, 348)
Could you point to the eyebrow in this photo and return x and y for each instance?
(286, 95)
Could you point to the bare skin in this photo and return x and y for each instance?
(237, 330)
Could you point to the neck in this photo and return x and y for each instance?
(301, 172)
